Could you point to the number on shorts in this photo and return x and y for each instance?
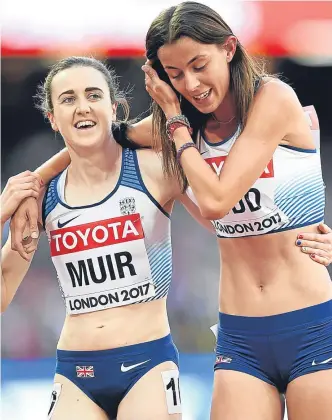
(176, 391)
(172, 390)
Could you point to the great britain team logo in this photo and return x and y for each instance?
(85, 372)
(223, 359)
(127, 206)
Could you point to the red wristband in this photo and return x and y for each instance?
(175, 125)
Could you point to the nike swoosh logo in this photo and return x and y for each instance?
(204, 152)
(126, 368)
(61, 225)
(322, 363)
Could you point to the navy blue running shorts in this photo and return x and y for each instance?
(106, 376)
(279, 348)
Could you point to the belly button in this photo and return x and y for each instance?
(101, 326)
(261, 288)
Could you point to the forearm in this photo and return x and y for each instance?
(13, 271)
(203, 181)
(53, 166)
(141, 133)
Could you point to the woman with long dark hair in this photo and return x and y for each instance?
(253, 169)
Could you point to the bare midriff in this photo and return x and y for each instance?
(268, 275)
(115, 327)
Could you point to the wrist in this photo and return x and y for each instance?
(172, 112)
(3, 220)
(178, 122)
(183, 147)
(181, 136)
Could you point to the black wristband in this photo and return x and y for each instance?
(119, 131)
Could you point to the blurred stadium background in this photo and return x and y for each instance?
(295, 37)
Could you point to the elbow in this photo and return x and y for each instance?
(214, 210)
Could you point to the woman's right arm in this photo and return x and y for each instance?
(13, 266)
(27, 212)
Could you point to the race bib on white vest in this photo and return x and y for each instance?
(102, 264)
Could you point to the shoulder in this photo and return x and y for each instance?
(274, 101)
(274, 93)
(151, 166)
(150, 163)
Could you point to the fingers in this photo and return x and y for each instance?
(16, 190)
(26, 245)
(32, 213)
(318, 237)
(321, 256)
(148, 83)
(20, 189)
(26, 182)
(324, 228)
(26, 176)
(21, 195)
(160, 91)
(150, 72)
(315, 237)
(326, 247)
(317, 246)
(30, 245)
(21, 175)
(29, 178)
(17, 235)
(151, 80)
(314, 251)
(320, 260)
(24, 225)
(32, 185)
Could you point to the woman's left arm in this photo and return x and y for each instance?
(269, 121)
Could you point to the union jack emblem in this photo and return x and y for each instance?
(223, 359)
(85, 372)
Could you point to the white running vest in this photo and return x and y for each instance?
(289, 194)
(112, 253)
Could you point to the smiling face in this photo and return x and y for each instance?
(199, 72)
(82, 108)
